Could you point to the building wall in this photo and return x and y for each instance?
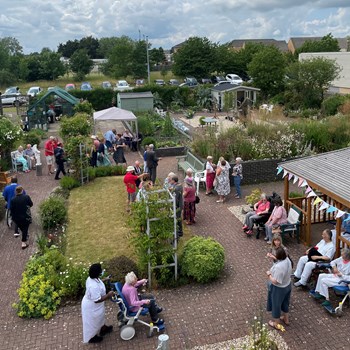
(342, 59)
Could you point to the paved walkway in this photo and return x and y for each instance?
(195, 314)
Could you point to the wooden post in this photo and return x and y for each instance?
(308, 222)
(337, 241)
(286, 192)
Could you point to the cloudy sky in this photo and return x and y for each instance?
(46, 23)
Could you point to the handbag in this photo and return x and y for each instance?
(29, 215)
(215, 182)
(197, 199)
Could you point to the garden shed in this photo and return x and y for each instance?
(57, 99)
(327, 190)
(135, 101)
(127, 118)
(240, 94)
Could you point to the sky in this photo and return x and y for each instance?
(46, 23)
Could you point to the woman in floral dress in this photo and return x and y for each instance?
(222, 181)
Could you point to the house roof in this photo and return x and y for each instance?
(114, 113)
(130, 95)
(240, 43)
(326, 172)
(299, 41)
(231, 87)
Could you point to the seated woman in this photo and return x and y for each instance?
(277, 217)
(19, 155)
(260, 208)
(136, 301)
(340, 271)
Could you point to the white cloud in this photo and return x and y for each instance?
(37, 24)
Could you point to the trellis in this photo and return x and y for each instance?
(171, 198)
(84, 164)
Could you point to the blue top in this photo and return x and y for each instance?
(9, 193)
(109, 135)
(145, 155)
(345, 224)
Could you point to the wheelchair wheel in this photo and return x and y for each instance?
(8, 218)
(127, 332)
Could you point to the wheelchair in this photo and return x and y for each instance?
(127, 318)
(340, 291)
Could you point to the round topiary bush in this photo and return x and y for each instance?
(148, 140)
(202, 258)
(53, 212)
(119, 266)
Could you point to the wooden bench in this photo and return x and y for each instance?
(5, 178)
(190, 161)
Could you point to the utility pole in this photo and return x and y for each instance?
(148, 70)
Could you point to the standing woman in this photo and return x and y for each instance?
(279, 289)
(189, 195)
(102, 154)
(20, 210)
(223, 181)
(237, 176)
(210, 175)
(93, 307)
(118, 154)
(93, 153)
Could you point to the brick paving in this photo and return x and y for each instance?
(195, 314)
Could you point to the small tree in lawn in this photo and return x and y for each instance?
(81, 64)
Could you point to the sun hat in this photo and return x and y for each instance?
(130, 168)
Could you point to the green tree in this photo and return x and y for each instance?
(327, 44)
(196, 57)
(51, 66)
(10, 55)
(308, 80)
(267, 69)
(156, 56)
(106, 46)
(91, 45)
(80, 63)
(68, 49)
(139, 59)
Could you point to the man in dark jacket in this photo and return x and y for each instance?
(152, 163)
(178, 191)
(20, 210)
(59, 155)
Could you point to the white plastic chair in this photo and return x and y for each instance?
(199, 177)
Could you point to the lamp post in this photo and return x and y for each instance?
(148, 70)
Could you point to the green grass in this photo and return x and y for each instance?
(97, 227)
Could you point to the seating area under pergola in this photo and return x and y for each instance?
(326, 182)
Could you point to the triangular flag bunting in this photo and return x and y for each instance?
(331, 209)
(279, 169)
(311, 194)
(340, 214)
(309, 189)
(285, 172)
(300, 182)
(295, 179)
(323, 206)
(317, 200)
(304, 183)
(290, 176)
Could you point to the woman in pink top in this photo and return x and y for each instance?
(277, 217)
(189, 195)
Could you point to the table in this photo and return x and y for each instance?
(209, 120)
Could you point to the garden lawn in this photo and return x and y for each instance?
(97, 226)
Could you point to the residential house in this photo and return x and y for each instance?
(297, 42)
(239, 44)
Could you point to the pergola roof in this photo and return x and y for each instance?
(327, 172)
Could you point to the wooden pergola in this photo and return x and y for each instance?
(328, 175)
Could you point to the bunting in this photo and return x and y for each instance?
(309, 189)
(340, 214)
(295, 179)
(285, 172)
(279, 169)
(331, 209)
(290, 176)
(311, 194)
(300, 182)
(317, 200)
(324, 205)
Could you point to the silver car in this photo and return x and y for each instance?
(11, 96)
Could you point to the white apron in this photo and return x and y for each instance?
(93, 313)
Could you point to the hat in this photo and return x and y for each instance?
(130, 168)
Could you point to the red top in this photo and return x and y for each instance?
(130, 182)
(191, 194)
(49, 148)
(262, 206)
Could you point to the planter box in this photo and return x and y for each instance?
(170, 151)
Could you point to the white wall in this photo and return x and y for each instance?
(341, 58)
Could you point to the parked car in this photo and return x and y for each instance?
(234, 79)
(85, 86)
(192, 81)
(223, 82)
(173, 82)
(106, 85)
(11, 95)
(69, 87)
(139, 82)
(188, 85)
(205, 81)
(122, 85)
(217, 78)
(34, 90)
(160, 82)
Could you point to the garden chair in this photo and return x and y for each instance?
(292, 227)
(200, 177)
(127, 318)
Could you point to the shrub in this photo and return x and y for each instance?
(53, 212)
(201, 120)
(148, 140)
(103, 171)
(119, 266)
(72, 280)
(60, 192)
(254, 197)
(202, 258)
(78, 125)
(31, 137)
(331, 105)
(68, 183)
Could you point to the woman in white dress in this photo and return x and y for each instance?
(222, 181)
(93, 307)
